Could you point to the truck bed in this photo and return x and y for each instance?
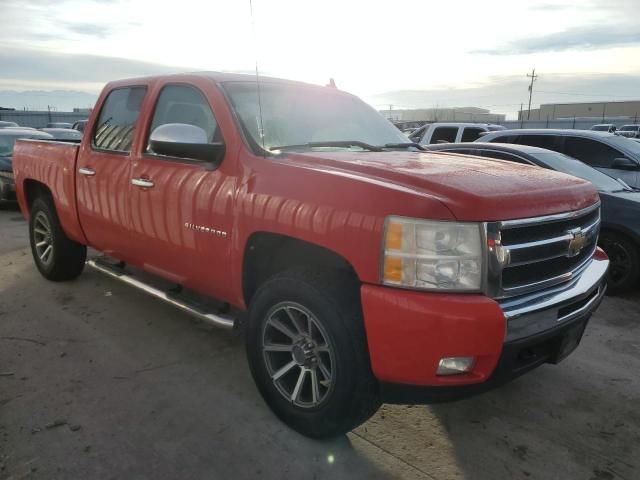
(52, 164)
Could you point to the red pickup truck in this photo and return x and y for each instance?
(361, 269)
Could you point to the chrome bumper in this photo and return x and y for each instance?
(531, 314)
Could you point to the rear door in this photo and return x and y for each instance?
(181, 210)
(103, 173)
(443, 134)
(471, 134)
(599, 156)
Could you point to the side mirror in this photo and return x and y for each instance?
(182, 140)
(624, 163)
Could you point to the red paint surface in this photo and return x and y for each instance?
(409, 332)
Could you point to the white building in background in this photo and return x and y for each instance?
(460, 114)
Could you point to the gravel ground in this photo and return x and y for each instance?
(100, 381)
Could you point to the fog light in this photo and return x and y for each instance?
(455, 365)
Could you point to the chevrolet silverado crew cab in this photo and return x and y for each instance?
(360, 269)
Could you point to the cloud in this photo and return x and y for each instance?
(90, 29)
(591, 37)
(40, 65)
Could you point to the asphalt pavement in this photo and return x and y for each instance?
(98, 380)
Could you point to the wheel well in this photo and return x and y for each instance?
(34, 189)
(267, 254)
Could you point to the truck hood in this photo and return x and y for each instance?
(473, 188)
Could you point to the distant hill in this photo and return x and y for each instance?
(60, 100)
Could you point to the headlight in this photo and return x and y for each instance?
(434, 255)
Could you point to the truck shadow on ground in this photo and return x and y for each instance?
(150, 392)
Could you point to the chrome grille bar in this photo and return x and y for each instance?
(556, 249)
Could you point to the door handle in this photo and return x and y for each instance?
(142, 182)
(87, 172)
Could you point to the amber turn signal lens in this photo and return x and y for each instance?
(393, 270)
(393, 240)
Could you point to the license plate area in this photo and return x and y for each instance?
(568, 342)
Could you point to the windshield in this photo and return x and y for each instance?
(630, 128)
(601, 128)
(298, 115)
(625, 144)
(562, 163)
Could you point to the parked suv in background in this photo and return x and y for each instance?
(629, 131)
(452, 132)
(620, 228)
(616, 156)
(604, 127)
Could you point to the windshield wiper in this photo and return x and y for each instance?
(336, 143)
(405, 145)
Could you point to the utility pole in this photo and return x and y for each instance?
(533, 78)
(390, 114)
(521, 116)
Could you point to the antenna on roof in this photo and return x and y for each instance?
(255, 45)
(332, 83)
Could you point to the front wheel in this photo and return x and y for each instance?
(624, 258)
(307, 353)
(57, 257)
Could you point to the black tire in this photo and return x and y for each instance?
(351, 397)
(624, 258)
(66, 258)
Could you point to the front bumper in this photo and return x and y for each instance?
(409, 332)
(7, 188)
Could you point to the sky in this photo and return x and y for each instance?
(408, 53)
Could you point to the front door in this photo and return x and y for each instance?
(181, 211)
(103, 173)
(600, 156)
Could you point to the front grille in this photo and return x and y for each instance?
(537, 253)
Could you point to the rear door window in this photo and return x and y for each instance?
(470, 134)
(117, 121)
(591, 152)
(541, 141)
(504, 139)
(444, 135)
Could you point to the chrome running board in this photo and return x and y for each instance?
(114, 271)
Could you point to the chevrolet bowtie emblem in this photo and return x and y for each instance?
(577, 242)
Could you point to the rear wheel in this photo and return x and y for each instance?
(624, 258)
(307, 353)
(56, 256)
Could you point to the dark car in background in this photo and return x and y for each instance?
(620, 210)
(5, 124)
(64, 134)
(611, 154)
(8, 137)
(79, 125)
